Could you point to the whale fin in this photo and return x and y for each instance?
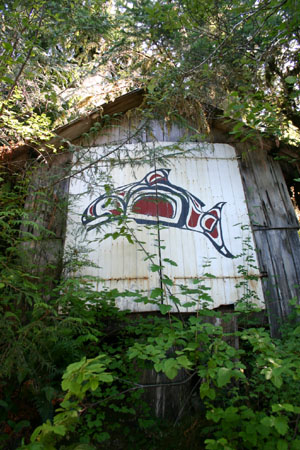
(210, 224)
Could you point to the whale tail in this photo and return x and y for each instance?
(211, 227)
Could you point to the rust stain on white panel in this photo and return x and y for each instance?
(206, 173)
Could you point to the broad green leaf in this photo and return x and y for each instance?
(156, 292)
(164, 309)
(276, 380)
(170, 368)
(184, 361)
(94, 384)
(290, 79)
(106, 377)
(74, 367)
(207, 391)
(282, 445)
(59, 429)
(281, 424)
(223, 376)
(285, 406)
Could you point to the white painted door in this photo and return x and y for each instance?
(187, 226)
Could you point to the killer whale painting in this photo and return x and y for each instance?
(155, 200)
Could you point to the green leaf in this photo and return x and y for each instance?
(290, 79)
(184, 361)
(188, 304)
(285, 406)
(7, 80)
(7, 46)
(155, 268)
(281, 424)
(170, 261)
(156, 292)
(74, 367)
(223, 376)
(282, 445)
(166, 280)
(164, 309)
(106, 377)
(94, 384)
(267, 421)
(170, 368)
(276, 380)
(207, 391)
(59, 429)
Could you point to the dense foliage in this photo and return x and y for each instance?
(72, 361)
(242, 55)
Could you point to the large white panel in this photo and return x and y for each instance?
(196, 193)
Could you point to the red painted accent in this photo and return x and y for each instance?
(193, 221)
(122, 193)
(115, 212)
(155, 176)
(209, 223)
(153, 179)
(214, 213)
(214, 234)
(91, 210)
(151, 206)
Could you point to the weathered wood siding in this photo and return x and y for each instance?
(275, 227)
(46, 213)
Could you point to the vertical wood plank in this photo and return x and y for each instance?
(275, 228)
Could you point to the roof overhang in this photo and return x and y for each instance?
(220, 126)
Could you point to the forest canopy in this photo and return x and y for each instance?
(240, 55)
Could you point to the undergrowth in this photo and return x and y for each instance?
(71, 365)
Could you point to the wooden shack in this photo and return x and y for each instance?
(215, 208)
(162, 210)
